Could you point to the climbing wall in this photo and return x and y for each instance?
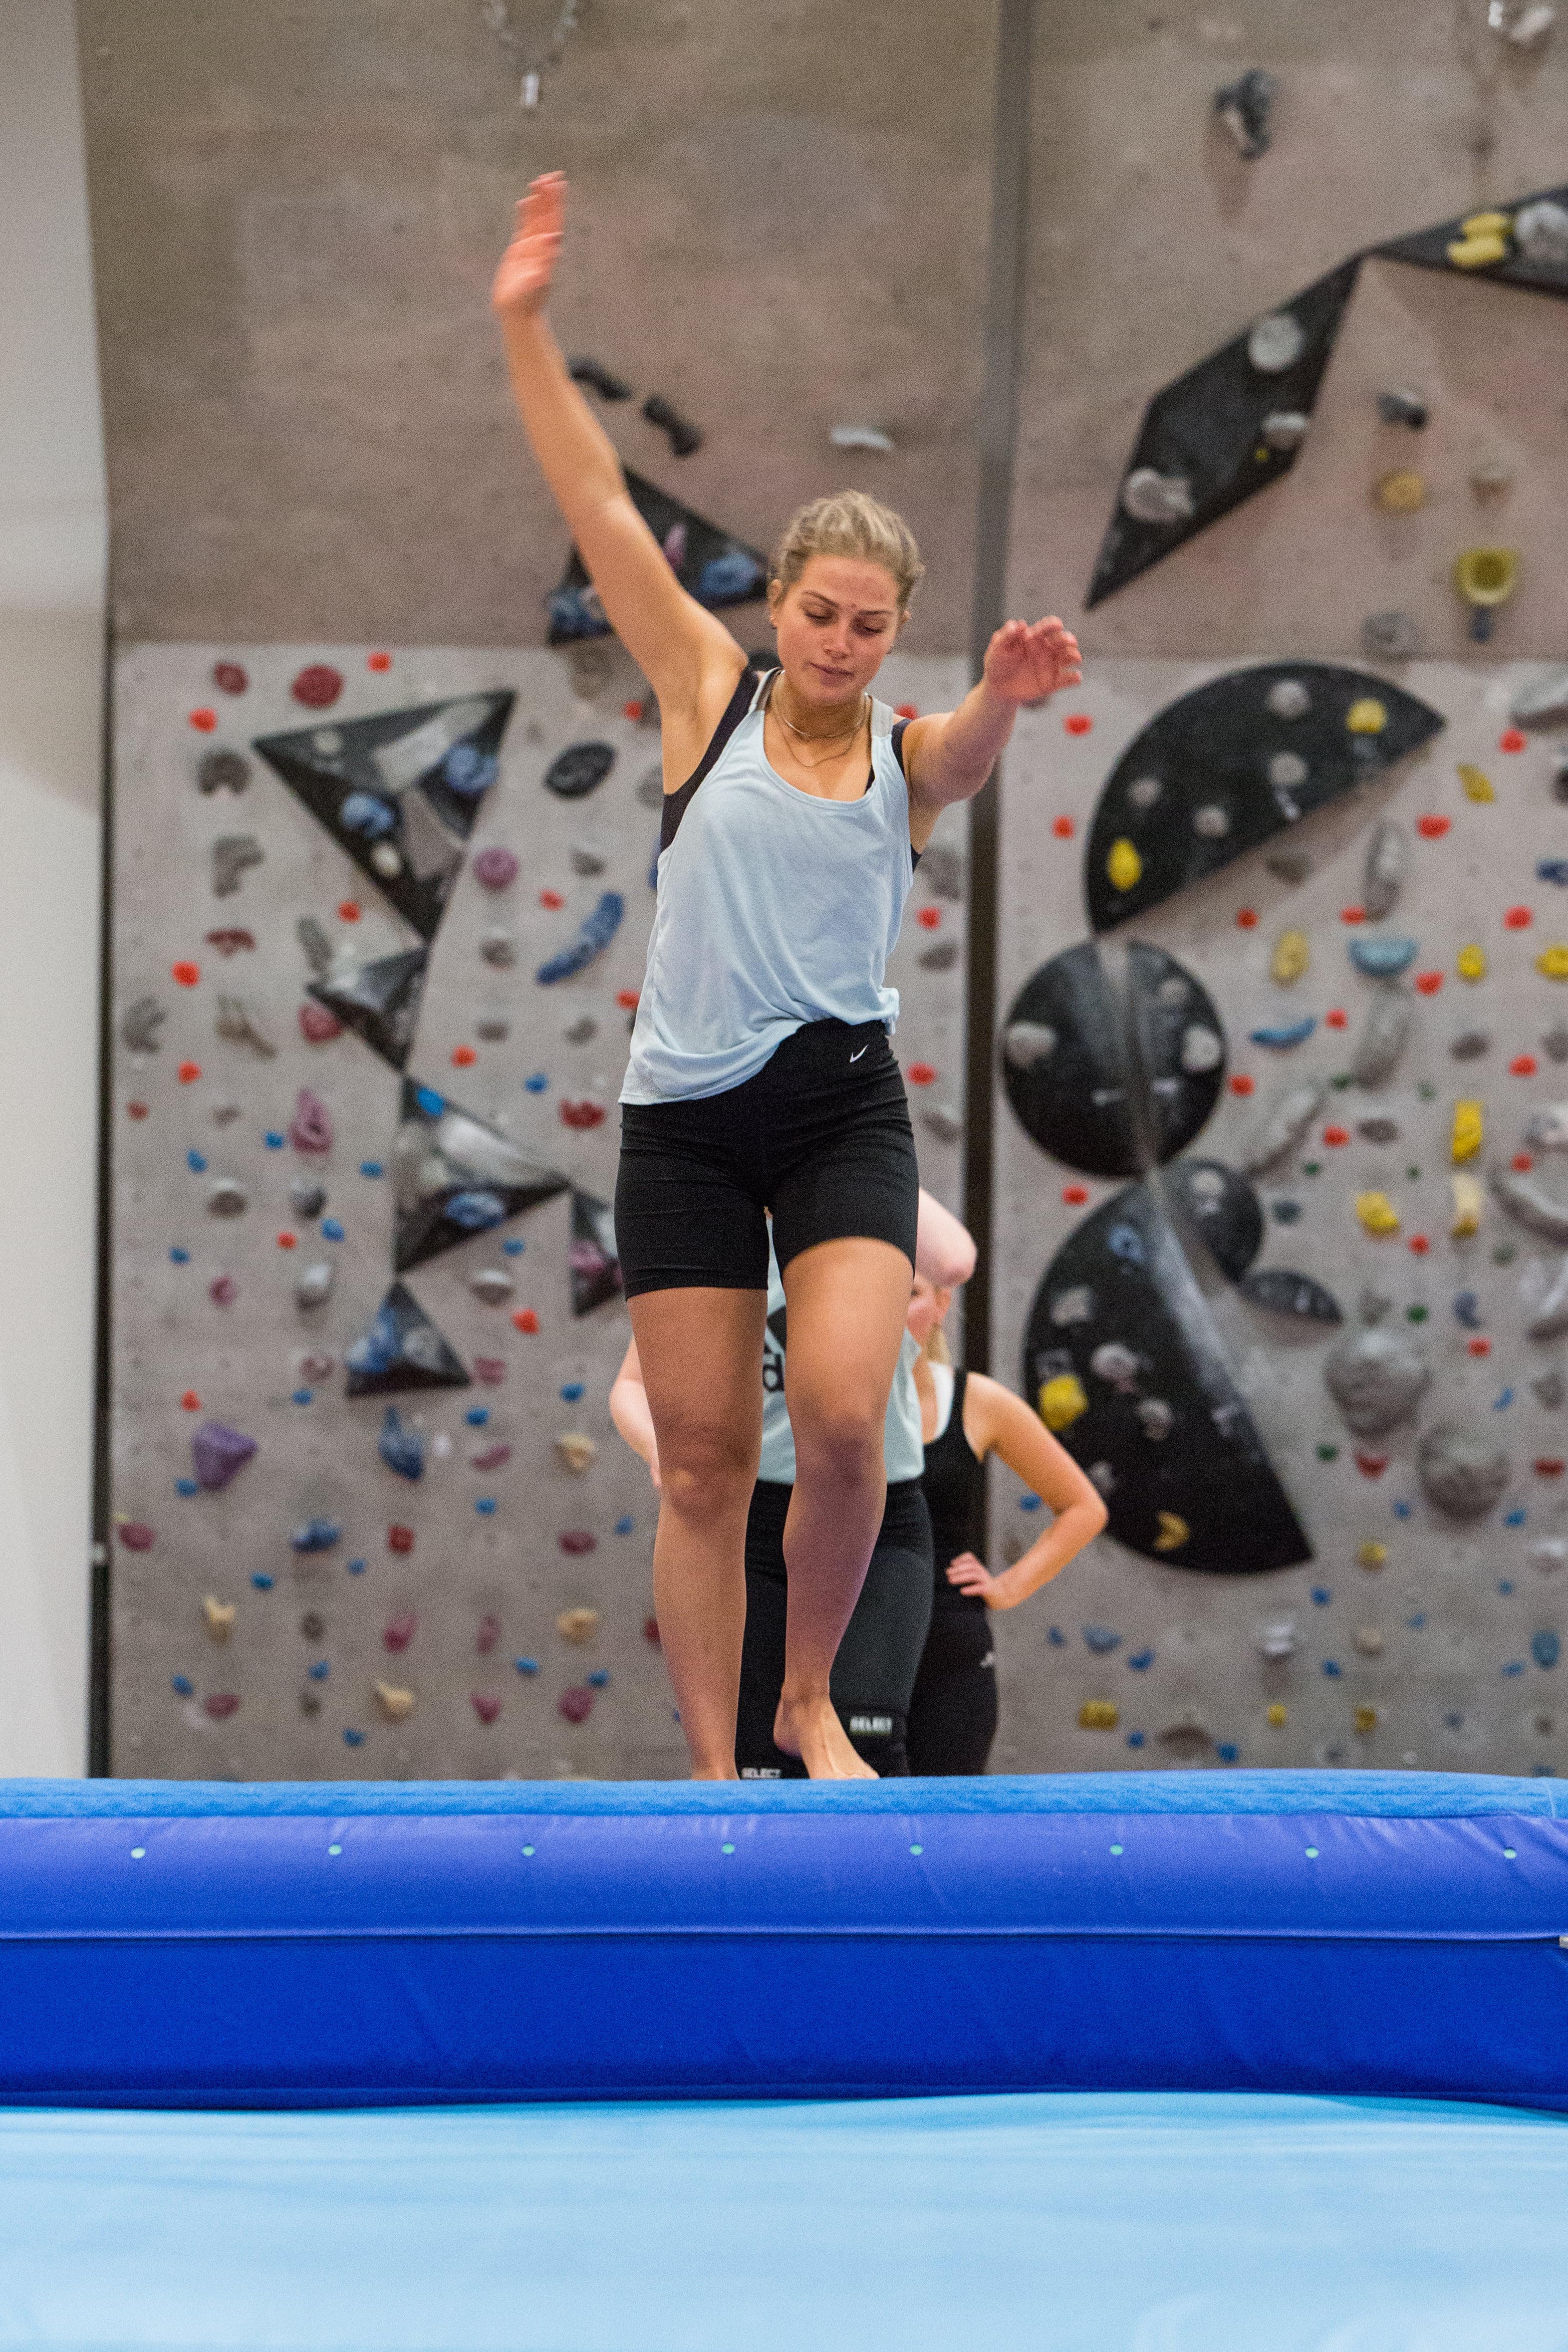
(1282, 1203)
(380, 924)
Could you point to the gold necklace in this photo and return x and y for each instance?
(831, 740)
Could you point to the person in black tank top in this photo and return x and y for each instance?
(953, 1708)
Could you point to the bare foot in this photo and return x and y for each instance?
(810, 1730)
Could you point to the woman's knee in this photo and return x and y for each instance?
(842, 1440)
(706, 1469)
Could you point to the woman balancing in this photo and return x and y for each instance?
(760, 1076)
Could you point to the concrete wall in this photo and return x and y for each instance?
(51, 648)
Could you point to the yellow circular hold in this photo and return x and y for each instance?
(1366, 717)
(1372, 1554)
(1123, 866)
(1279, 1716)
(1099, 1715)
(1174, 1532)
(1487, 575)
(1402, 492)
(1469, 1129)
(1478, 252)
(1377, 1212)
(1061, 1401)
(1492, 223)
(1553, 964)
(1478, 784)
(1292, 953)
(1366, 1720)
(1471, 962)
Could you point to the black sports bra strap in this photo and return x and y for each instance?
(675, 804)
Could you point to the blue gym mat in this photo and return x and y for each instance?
(1040, 2224)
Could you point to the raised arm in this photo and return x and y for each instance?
(997, 1421)
(948, 756)
(630, 1411)
(691, 659)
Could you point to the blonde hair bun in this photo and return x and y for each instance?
(854, 523)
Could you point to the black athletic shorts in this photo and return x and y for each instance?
(821, 1136)
(952, 1712)
(877, 1658)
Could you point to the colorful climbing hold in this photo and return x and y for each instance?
(318, 685)
(1522, 1066)
(1468, 1130)
(1247, 918)
(1478, 784)
(1553, 964)
(1123, 866)
(1173, 1531)
(1510, 740)
(1077, 722)
(1432, 827)
(1063, 828)
(1471, 962)
(1099, 1715)
(1366, 716)
(1377, 1214)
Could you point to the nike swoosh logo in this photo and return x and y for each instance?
(865, 1049)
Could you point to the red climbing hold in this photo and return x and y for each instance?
(288, 1241)
(1518, 918)
(1077, 722)
(906, 711)
(578, 1540)
(400, 1631)
(203, 721)
(488, 1636)
(348, 910)
(929, 919)
(650, 1632)
(399, 1538)
(318, 687)
(136, 1111)
(1522, 1163)
(186, 974)
(188, 1073)
(1371, 1465)
(1510, 740)
(1075, 1195)
(486, 1708)
(1428, 983)
(526, 1319)
(223, 1291)
(229, 678)
(1550, 1465)
(463, 1057)
(1353, 914)
(230, 939)
(191, 1402)
(628, 999)
(551, 898)
(220, 1705)
(1433, 828)
(1419, 1245)
(632, 711)
(581, 1114)
(577, 1703)
(1247, 918)
(1336, 1019)
(1062, 826)
(921, 1074)
(1334, 1136)
(1240, 1083)
(379, 663)
(136, 1536)
(1479, 1347)
(1522, 1066)
(318, 1024)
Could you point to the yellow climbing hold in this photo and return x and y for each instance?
(1553, 964)
(1468, 1201)
(1366, 1720)
(1487, 576)
(1123, 866)
(1377, 1212)
(1279, 1716)
(1174, 1532)
(1061, 1401)
(1372, 1554)
(1292, 956)
(394, 1704)
(1366, 717)
(1470, 1129)
(1471, 962)
(1099, 1715)
(219, 1616)
(1402, 492)
(1488, 224)
(1478, 252)
(576, 1449)
(578, 1624)
(1478, 784)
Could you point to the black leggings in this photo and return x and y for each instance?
(953, 1714)
(877, 1658)
(821, 1136)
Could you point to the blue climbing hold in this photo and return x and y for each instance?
(1504, 1584)
(1126, 1242)
(1136, 1738)
(275, 1139)
(1321, 1596)
(1468, 1308)
(304, 1396)
(594, 936)
(1055, 1637)
(1293, 1032)
(1514, 1666)
(1515, 1519)
(371, 1167)
(1100, 1639)
(1553, 869)
(330, 1230)
(1402, 1510)
(1226, 1750)
(514, 1248)
(485, 1504)
(476, 1416)
(186, 1487)
(377, 1350)
(178, 1256)
(400, 1447)
(570, 1391)
(320, 1671)
(1500, 1403)
(180, 1684)
(262, 1581)
(430, 1101)
(625, 1525)
(476, 1212)
(358, 1566)
(367, 814)
(1416, 1622)
(1546, 1647)
(536, 1084)
(600, 1677)
(353, 1738)
(1140, 1661)
(468, 770)
(1028, 1502)
(526, 1665)
(1284, 1212)
(1382, 959)
(1333, 1668)
(728, 579)
(316, 1535)
(197, 1162)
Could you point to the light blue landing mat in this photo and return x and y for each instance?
(1064, 2222)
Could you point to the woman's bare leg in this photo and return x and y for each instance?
(701, 1356)
(848, 1301)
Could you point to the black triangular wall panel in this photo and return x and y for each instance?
(1428, 250)
(453, 1176)
(715, 567)
(379, 1001)
(402, 1350)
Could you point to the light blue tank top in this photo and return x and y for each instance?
(903, 1444)
(774, 910)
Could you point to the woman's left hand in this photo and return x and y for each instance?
(971, 1576)
(1025, 663)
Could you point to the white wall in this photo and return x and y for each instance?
(52, 561)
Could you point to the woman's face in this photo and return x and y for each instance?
(927, 1305)
(835, 626)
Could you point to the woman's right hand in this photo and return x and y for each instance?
(522, 286)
